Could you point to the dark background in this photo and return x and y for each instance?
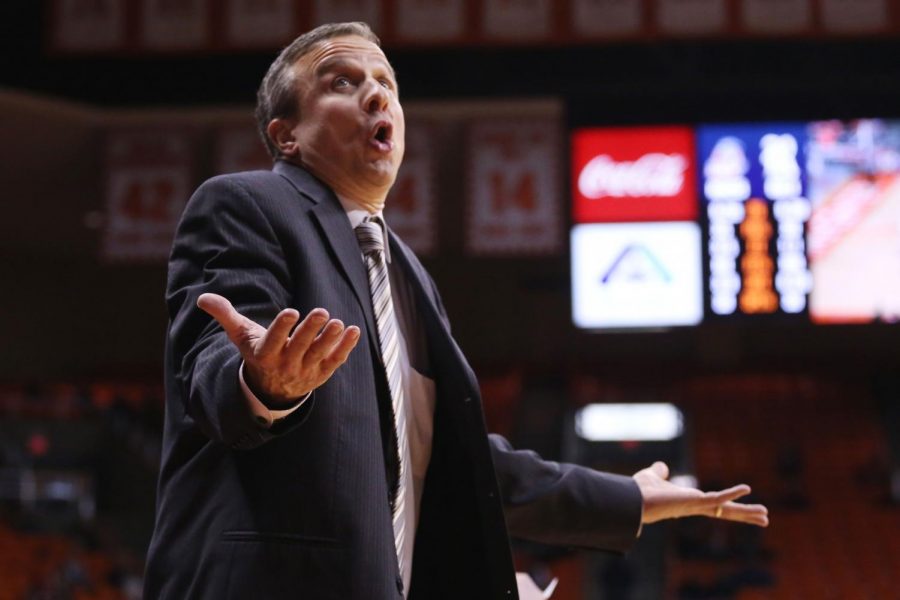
(72, 316)
(805, 413)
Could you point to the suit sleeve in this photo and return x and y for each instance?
(224, 244)
(564, 504)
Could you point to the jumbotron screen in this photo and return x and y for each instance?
(678, 225)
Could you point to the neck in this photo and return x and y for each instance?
(370, 205)
(365, 197)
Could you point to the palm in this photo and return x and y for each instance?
(278, 364)
(665, 500)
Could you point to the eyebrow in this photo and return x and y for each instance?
(335, 64)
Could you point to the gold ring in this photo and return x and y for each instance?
(719, 511)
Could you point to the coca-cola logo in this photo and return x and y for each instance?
(653, 174)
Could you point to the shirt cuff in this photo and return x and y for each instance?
(264, 415)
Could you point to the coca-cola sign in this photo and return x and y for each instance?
(653, 174)
(633, 174)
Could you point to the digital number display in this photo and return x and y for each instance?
(798, 222)
(754, 183)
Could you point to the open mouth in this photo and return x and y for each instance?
(381, 136)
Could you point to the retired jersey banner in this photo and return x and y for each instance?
(692, 17)
(148, 181)
(167, 25)
(776, 16)
(260, 23)
(340, 11)
(607, 18)
(516, 19)
(430, 20)
(855, 16)
(410, 207)
(89, 25)
(240, 149)
(514, 204)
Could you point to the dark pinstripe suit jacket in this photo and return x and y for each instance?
(301, 510)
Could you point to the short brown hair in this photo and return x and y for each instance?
(277, 94)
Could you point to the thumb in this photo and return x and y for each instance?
(220, 309)
(660, 468)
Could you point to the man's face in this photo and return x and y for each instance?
(350, 132)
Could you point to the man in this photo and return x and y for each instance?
(313, 459)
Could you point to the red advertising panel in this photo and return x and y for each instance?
(633, 174)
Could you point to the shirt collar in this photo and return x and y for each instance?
(357, 215)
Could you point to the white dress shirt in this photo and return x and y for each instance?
(418, 390)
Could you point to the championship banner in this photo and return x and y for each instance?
(339, 11)
(148, 181)
(411, 205)
(776, 16)
(692, 17)
(607, 18)
(167, 25)
(513, 201)
(240, 149)
(88, 24)
(260, 23)
(429, 20)
(516, 19)
(855, 16)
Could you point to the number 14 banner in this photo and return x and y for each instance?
(513, 200)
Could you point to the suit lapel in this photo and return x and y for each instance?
(407, 262)
(337, 233)
(440, 339)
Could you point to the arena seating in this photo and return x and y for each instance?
(815, 452)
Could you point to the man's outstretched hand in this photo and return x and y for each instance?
(665, 500)
(280, 365)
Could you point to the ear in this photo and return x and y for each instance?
(281, 132)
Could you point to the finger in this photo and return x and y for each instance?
(305, 333)
(754, 514)
(723, 496)
(276, 335)
(220, 309)
(660, 468)
(323, 344)
(341, 351)
(237, 327)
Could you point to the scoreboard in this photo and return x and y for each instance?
(681, 225)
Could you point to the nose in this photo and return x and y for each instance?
(376, 98)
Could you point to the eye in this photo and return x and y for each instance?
(340, 82)
(386, 84)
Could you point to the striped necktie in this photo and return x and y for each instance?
(371, 241)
